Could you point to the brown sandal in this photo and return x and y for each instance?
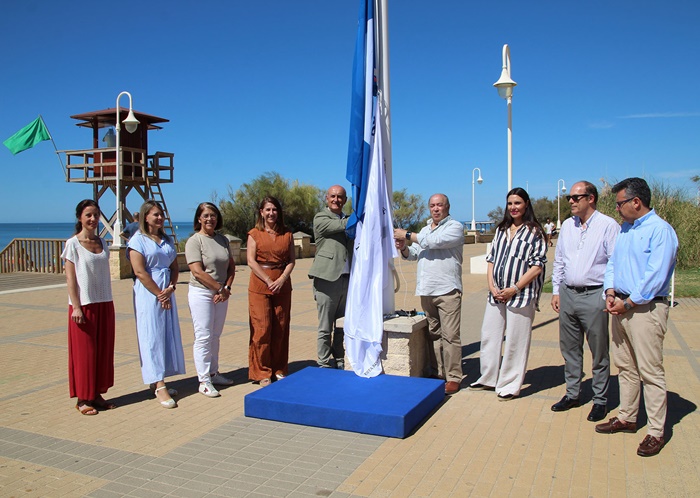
(85, 409)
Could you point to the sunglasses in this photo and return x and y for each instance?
(622, 203)
(576, 197)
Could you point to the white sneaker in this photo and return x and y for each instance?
(207, 389)
(220, 380)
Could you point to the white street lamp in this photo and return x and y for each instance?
(480, 180)
(563, 189)
(505, 85)
(130, 123)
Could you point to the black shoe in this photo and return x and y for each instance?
(564, 404)
(480, 387)
(506, 397)
(598, 412)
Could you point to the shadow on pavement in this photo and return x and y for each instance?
(542, 378)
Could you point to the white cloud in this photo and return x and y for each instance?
(685, 174)
(661, 115)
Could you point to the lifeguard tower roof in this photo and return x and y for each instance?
(108, 117)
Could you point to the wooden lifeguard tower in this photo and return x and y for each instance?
(140, 171)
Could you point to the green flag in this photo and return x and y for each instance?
(28, 137)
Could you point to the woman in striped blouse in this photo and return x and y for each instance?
(515, 275)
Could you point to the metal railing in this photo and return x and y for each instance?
(33, 255)
(100, 165)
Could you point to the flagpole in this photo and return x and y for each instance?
(382, 36)
(54, 145)
(381, 9)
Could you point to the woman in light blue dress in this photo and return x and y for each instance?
(154, 260)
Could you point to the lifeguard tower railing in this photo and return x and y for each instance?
(100, 165)
(33, 255)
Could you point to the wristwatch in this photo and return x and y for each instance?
(227, 287)
(173, 287)
(627, 305)
(408, 235)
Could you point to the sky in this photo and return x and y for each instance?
(605, 90)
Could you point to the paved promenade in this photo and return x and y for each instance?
(472, 445)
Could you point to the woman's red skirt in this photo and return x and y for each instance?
(91, 351)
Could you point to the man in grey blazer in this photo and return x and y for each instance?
(330, 271)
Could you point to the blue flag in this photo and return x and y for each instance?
(361, 112)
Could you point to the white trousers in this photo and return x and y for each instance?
(517, 325)
(208, 319)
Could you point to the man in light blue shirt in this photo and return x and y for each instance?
(637, 279)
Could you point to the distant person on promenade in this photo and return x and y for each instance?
(637, 279)
(438, 249)
(154, 260)
(330, 272)
(90, 312)
(131, 228)
(549, 231)
(212, 270)
(586, 242)
(515, 276)
(271, 258)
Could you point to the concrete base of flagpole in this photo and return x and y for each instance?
(404, 346)
(119, 266)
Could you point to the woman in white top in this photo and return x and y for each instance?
(90, 313)
(212, 271)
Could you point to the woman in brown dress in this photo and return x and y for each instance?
(270, 254)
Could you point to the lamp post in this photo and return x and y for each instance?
(505, 85)
(563, 189)
(480, 180)
(130, 123)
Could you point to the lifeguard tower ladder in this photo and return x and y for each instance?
(140, 171)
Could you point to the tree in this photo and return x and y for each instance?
(496, 215)
(545, 208)
(299, 201)
(409, 210)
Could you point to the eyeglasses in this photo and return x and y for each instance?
(576, 197)
(622, 203)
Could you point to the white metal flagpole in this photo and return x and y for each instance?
(382, 35)
(381, 9)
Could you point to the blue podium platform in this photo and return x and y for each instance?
(386, 405)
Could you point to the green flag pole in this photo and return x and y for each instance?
(54, 145)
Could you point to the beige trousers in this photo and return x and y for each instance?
(637, 347)
(444, 314)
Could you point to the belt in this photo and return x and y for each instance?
(657, 299)
(279, 266)
(584, 288)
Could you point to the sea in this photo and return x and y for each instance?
(9, 231)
